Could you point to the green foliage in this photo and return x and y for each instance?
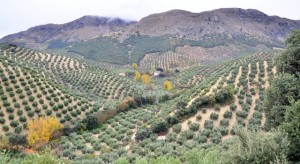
(225, 95)
(177, 128)
(164, 160)
(233, 107)
(45, 157)
(227, 114)
(289, 60)
(242, 114)
(282, 98)
(194, 127)
(56, 44)
(159, 126)
(144, 44)
(102, 49)
(142, 134)
(171, 120)
(111, 50)
(291, 126)
(209, 124)
(91, 122)
(284, 89)
(116, 132)
(198, 117)
(201, 156)
(256, 147)
(121, 160)
(214, 116)
(17, 140)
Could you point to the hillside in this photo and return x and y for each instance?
(38, 84)
(248, 76)
(232, 22)
(219, 86)
(200, 38)
(56, 35)
(26, 94)
(211, 124)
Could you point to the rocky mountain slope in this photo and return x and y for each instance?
(84, 28)
(121, 42)
(228, 21)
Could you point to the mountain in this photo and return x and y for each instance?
(228, 21)
(84, 28)
(201, 37)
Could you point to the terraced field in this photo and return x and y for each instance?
(249, 82)
(35, 84)
(69, 89)
(26, 94)
(77, 75)
(167, 60)
(249, 76)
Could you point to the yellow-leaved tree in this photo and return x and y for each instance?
(146, 79)
(135, 66)
(168, 85)
(137, 76)
(41, 129)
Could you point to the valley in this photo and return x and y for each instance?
(39, 84)
(220, 86)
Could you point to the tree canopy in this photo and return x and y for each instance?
(137, 76)
(135, 66)
(281, 104)
(41, 129)
(168, 85)
(289, 60)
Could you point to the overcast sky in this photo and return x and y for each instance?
(19, 15)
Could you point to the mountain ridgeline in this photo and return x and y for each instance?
(227, 33)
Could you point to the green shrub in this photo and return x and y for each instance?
(198, 117)
(14, 123)
(9, 109)
(200, 138)
(188, 134)
(254, 147)
(37, 110)
(201, 156)
(223, 130)
(242, 114)
(224, 122)
(224, 95)
(214, 116)
(142, 134)
(194, 127)
(48, 112)
(159, 126)
(2, 120)
(227, 114)
(171, 120)
(177, 128)
(91, 122)
(22, 119)
(11, 116)
(30, 113)
(5, 128)
(233, 107)
(208, 124)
